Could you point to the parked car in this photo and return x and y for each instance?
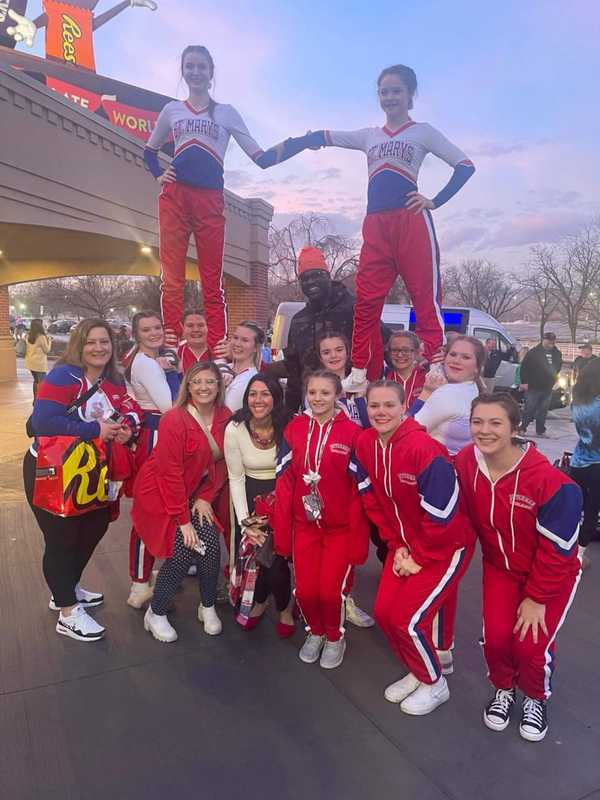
(62, 326)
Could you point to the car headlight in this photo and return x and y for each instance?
(562, 382)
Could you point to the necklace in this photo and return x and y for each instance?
(263, 442)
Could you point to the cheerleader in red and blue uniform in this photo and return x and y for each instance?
(409, 489)
(191, 198)
(526, 514)
(398, 232)
(318, 516)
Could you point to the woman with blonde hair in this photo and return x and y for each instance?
(172, 501)
(36, 356)
(246, 352)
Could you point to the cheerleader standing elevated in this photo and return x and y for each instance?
(318, 516)
(526, 514)
(398, 233)
(409, 489)
(191, 197)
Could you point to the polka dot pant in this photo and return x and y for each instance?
(174, 569)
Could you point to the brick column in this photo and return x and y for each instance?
(8, 358)
(260, 219)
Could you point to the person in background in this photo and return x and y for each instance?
(493, 357)
(334, 355)
(172, 509)
(403, 364)
(36, 355)
(318, 515)
(123, 341)
(251, 441)
(585, 461)
(246, 347)
(154, 390)
(409, 489)
(89, 360)
(526, 515)
(329, 307)
(586, 356)
(539, 371)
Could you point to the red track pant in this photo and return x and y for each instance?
(321, 567)
(183, 210)
(141, 560)
(405, 609)
(443, 623)
(403, 243)
(510, 662)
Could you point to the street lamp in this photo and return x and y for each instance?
(133, 310)
(22, 307)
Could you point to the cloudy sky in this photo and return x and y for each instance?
(514, 84)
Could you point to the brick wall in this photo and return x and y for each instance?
(4, 311)
(8, 361)
(247, 302)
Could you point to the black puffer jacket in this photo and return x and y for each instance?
(306, 327)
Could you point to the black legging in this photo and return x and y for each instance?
(70, 541)
(588, 479)
(276, 579)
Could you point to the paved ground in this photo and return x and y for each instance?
(240, 715)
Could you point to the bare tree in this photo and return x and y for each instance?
(572, 270)
(478, 283)
(536, 285)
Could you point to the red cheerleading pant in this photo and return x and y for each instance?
(511, 662)
(405, 609)
(183, 210)
(397, 242)
(321, 567)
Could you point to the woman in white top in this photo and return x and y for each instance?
(251, 441)
(444, 405)
(444, 408)
(36, 356)
(246, 348)
(154, 390)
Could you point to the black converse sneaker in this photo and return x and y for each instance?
(534, 723)
(496, 715)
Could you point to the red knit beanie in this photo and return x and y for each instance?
(311, 258)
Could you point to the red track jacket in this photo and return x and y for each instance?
(342, 507)
(527, 521)
(410, 491)
(180, 468)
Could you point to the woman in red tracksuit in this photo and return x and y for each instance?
(526, 514)
(409, 489)
(318, 515)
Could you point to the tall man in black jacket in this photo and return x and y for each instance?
(539, 371)
(329, 308)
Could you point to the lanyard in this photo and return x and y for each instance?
(312, 477)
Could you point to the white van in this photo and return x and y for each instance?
(467, 321)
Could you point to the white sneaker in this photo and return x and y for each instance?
(357, 616)
(447, 661)
(333, 654)
(79, 625)
(208, 616)
(426, 698)
(311, 649)
(159, 626)
(399, 690)
(356, 382)
(84, 598)
(140, 594)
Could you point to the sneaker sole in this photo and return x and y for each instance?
(81, 603)
(157, 637)
(495, 726)
(421, 712)
(72, 635)
(309, 660)
(532, 737)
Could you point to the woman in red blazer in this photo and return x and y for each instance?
(173, 496)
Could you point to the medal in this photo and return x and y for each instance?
(313, 501)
